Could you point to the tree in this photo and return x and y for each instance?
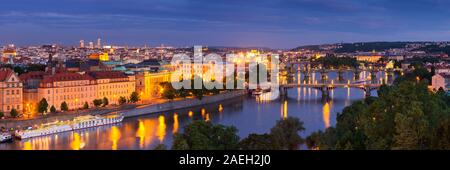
(105, 101)
(64, 106)
(200, 135)
(14, 113)
(122, 100)
(86, 105)
(168, 91)
(285, 133)
(97, 102)
(53, 109)
(258, 142)
(2, 114)
(134, 97)
(42, 105)
(160, 147)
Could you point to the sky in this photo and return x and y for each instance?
(245, 23)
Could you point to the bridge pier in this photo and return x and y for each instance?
(325, 93)
(356, 74)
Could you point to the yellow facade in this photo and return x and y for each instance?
(148, 84)
(370, 58)
(114, 88)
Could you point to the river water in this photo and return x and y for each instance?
(247, 114)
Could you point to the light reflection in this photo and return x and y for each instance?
(326, 114)
(191, 113)
(207, 117)
(220, 108)
(161, 131)
(27, 145)
(141, 133)
(175, 123)
(77, 142)
(285, 109)
(114, 137)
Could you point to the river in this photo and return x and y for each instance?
(247, 114)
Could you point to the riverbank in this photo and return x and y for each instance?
(129, 110)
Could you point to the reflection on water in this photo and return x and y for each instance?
(114, 137)
(246, 114)
(175, 123)
(161, 132)
(326, 114)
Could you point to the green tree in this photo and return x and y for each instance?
(2, 114)
(42, 105)
(85, 105)
(200, 135)
(14, 113)
(97, 102)
(122, 100)
(134, 97)
(285, 133)
(53, 109)
(168, 91)
(160, 147)
(105, 101)
(259, 142)
(64, 106)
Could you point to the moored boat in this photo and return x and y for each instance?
(79, 122)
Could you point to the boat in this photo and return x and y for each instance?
(5, 137)
(79, 122)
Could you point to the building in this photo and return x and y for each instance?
(368, 58)
(73, 88)
(148, 83)
(81, 43)
(440, 81)
(31, 82)
(8, 56)
(113, 85)
(11, 91)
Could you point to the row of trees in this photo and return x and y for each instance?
(201, 135)
(43, 105)
(170, 93)
(403, 116)
(331, 61)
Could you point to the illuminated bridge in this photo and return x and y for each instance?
(325, 88)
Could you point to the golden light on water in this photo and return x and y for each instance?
(326, 114)
(114, 137)
(141, 133)
(220, 108)
(191, 113)
(27, 146)
(161, 131)
(203, 112)
(207, 117)
(175, 123)
(285, 109)
(77, 142)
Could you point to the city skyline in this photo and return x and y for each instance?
(285, 24)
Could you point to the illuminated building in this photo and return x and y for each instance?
(73, 88)
(11, 91)
(81, 43)
(113, 85)
(99, 43)
(8, 55)
(148, 84)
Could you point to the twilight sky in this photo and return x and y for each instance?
(264, 23)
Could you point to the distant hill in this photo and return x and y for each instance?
(359, 46)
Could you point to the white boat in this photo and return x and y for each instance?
(5, 137)
(79, 122)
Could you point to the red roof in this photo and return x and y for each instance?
(32, 75)
(65, 77)
(5, 73)
(108, 74)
